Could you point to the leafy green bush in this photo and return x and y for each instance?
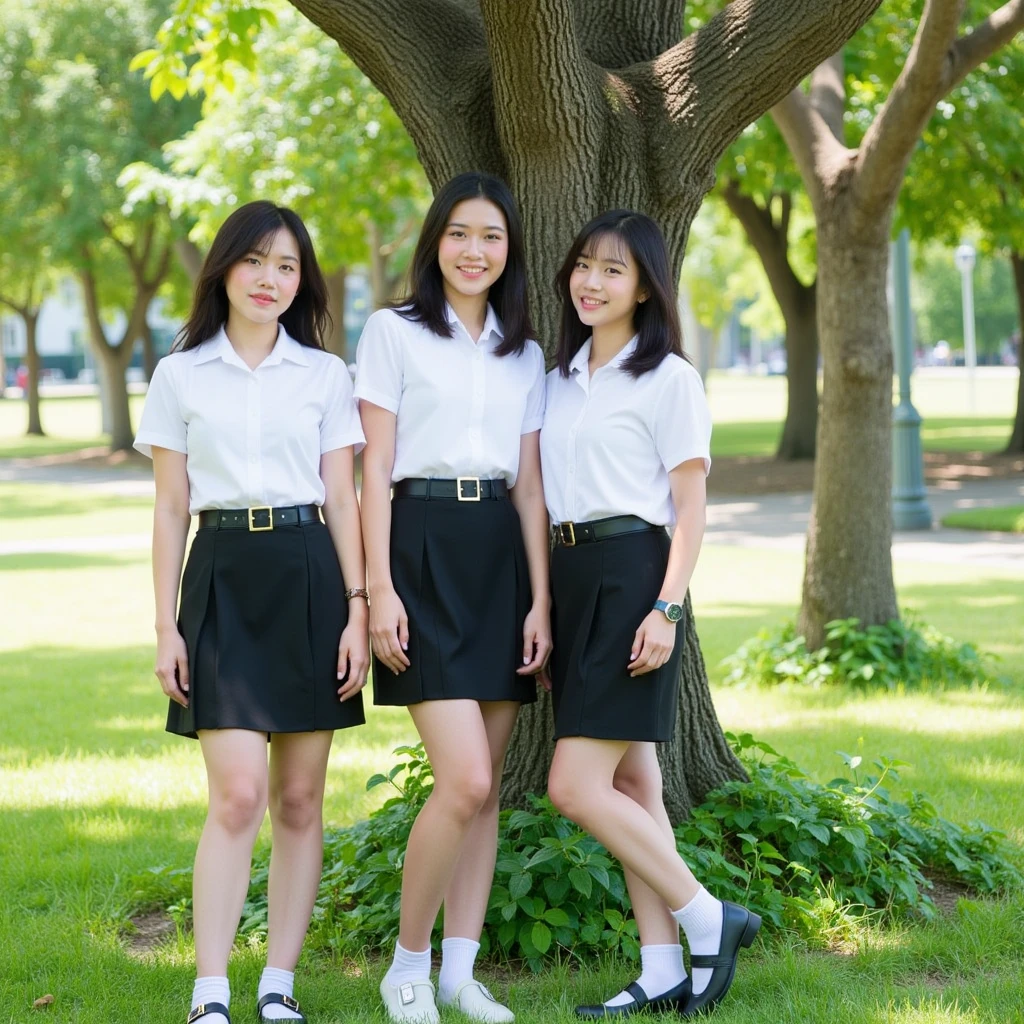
(897, 654)
(806, 856)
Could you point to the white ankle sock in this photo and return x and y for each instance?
(212, 990)
(701, 920)
(661, 969)
(457, 957)
(274, 979)
(408, 966)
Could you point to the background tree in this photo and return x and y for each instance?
(580, 106)
(853, 191)
(89, 118)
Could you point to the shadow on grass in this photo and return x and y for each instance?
(19, 503)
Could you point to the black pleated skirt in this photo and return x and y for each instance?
(460, 569)
(601, 592)
(262, 616)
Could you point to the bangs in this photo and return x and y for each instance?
(607, 247)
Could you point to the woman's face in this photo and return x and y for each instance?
(474, 247)
(260, 288)
(605, 283)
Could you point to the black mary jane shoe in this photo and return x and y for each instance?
(673, 999)
(739, 926)
(204, 1009)
(280, 1000)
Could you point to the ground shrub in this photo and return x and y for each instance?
(809, 857)
(898, 654)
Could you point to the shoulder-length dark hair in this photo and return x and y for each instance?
(425, 303)
(251, 229)
(656, 319)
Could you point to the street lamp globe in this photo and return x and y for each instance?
(964, 257)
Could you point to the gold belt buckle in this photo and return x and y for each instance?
(570, 541)
(253, 528)
(460, 480)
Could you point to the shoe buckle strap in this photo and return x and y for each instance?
(197, 1012)
(710, 960)
(407, 993)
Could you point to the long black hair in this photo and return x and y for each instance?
(426, 301)
(656, 319)
(251, 229)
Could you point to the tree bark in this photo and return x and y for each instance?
(189, 256)
(338, 340)
(582, 107)
(769, 237)
(694, 762)
(1016, 443)
(149, 359)
(30, 316)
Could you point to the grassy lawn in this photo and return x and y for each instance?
(1009, 519)
(93, 793)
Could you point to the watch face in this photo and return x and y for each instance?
(674, 612)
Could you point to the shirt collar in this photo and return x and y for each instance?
(625, 352)
(219, 347)
(493, 327)
(582, 357)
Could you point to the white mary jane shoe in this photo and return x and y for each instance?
(473, 999)
(412, 1002)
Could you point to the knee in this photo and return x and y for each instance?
(642, 785)
(566, 794)
(466, 796)
(296, 806)
(238, 806)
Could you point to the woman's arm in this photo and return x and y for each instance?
(655, 639)
(170, 531)
(389, 624)
(341, 513)
(528, 498)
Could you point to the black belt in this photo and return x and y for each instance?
(464, 488)
(258, 519)
(571, 534)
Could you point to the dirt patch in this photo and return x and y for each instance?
(745, 475)
(149, 931)
(946, 894)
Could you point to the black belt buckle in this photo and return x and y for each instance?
(259, 510)
(567, 534)
(467, 481)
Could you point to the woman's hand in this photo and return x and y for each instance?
(353, 658)
(389, 629)
(652, 645)
(536, 641)
(172, 664)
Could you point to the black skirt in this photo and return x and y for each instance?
(601, 592)
(262, 616)
(460, 569)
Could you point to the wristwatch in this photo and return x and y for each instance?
(673, 611)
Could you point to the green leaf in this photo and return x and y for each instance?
(581, 881)
(556, 917)
(541, 936)
(519, 885)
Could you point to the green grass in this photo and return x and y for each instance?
(71, 424)
(93, 792)
(1009, 519)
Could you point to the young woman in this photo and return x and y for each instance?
(625, 452)
(252, 427)
(451, 392)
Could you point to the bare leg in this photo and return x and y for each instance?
(455, 739)
(638, 776)
(298, 768)
(581, 786)
(236, 768)
(465, 900)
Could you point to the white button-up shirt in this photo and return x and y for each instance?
(460, 409)
(251, 437)
(609, 441)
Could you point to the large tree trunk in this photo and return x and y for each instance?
(696, 761)
(149, 359)
(338, 341)
(849, 565)
(583, 107)
(799, 432)
(1016, 443)
(31, 319)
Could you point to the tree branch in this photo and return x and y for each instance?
(937, 63)
(813, 146)
(731, 70)
(618, 33)
(828, 94)
(429, 58)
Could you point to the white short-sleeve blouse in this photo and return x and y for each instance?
(251, 437)
(460, 409)
(609, 441)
